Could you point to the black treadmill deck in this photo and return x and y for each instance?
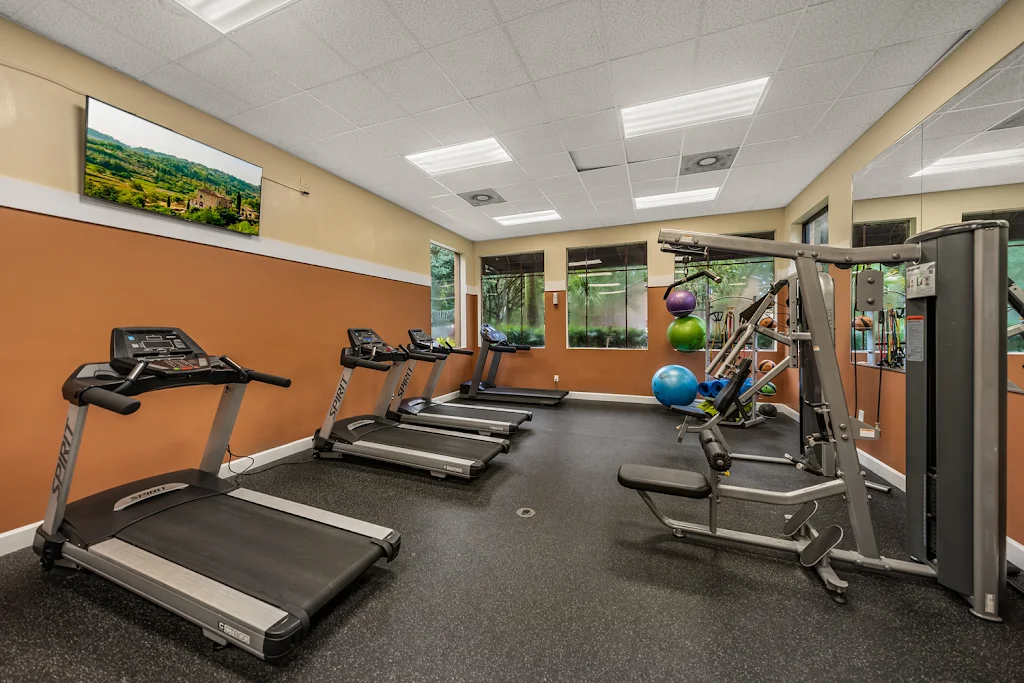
(544, 397)
(282, 559)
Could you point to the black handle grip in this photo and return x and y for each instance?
(461, 352)
(256, 376)
(777, 287)
(108, 400)
(419, 355)
(521, 347)
(372, 364)
(503, 348)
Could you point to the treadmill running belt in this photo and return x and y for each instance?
(282, 559)
(532, 393)
(454, 410)
(443, 444)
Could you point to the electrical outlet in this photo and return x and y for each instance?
(556, 379)
(303, 186)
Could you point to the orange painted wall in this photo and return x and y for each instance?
(613, 371)
(66, 284)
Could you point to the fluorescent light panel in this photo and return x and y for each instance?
(591, 262)
(460, 157)
(606, 284)
(672, 198)
(532, 217)
(692, 109)
(230, 15)
(973, 162)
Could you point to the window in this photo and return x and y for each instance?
(607, 297)
(513, 296)
(445, 321)
(1014, 262)
(816, 228)
(745, 279)
(879, 337)
(880, 234)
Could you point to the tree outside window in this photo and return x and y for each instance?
(607, 296)
(445, 324)
(512, 289)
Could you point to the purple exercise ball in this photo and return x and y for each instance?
(681, 302)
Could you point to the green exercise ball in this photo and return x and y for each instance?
(687, 334)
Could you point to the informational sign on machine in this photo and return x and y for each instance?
(921, 280)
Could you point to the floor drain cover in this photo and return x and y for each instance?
(526, 512)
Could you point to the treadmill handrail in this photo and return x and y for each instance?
(108, 400)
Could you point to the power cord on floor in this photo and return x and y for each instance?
(245, 472)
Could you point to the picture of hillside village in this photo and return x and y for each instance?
(167, 184)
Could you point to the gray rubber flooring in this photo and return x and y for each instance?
(591, 588)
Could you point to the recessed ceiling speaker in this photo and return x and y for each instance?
(707, 161)
(484, 197)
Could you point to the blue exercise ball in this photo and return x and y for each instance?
(674, 385)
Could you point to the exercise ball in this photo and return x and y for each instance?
(768, 389)
(768, 410)
(768, 322)
(674, 385)
(686, 334)
(681, 302)
(766, 365)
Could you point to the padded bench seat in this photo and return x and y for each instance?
(664, 480)
(690, 411)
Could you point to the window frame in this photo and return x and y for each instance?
(624, 269)
(458, 293)
(543, 283)
(1015, 241)
(679, 270)
(805, 226)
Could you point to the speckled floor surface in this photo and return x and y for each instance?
(592, 588)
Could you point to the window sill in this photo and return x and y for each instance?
(865, 364)
(601, 348)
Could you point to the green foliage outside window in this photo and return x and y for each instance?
(443, 264)
(607, 297)
(743, 282)
(512, 291)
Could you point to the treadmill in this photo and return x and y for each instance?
(250, 569)
(375, 436)
(422, 410)
(480, 389)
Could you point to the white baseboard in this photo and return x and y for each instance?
(444, 398)
(614, 398)
(785, 410)
(891, 475)
(1015, 552)
(19, 538)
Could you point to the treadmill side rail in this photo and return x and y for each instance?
(243, 621)
(389, 539)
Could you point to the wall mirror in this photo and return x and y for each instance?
(965, 161)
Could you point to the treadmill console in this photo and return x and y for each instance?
(369, 345)
(166, 351)
(422, 340)
(492, 335)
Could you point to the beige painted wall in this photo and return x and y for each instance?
(659, 265)
(992, 41)
(934, 209)
(43, 144)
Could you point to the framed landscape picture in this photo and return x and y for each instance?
(134, 162)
